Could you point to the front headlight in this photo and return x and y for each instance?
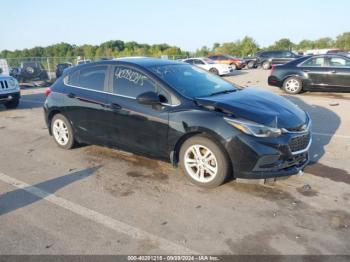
(12, 82)
(254, 129)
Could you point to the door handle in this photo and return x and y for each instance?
(333, 72)
(306, 70)
(71, 95)
(114, 106)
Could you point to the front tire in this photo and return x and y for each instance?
(292, 85)
(214, 71)
(234, 67)
(62, 132)
(12, 104)
(204, 162)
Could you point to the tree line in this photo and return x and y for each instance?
(117, 48)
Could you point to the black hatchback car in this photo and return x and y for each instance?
(320, 72)
(267, 59)
(177, 112)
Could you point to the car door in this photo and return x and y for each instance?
(315, 72)
(85, 101)
(338, 72)
(133, 126)
(276, 57)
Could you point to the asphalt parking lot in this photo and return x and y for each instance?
(93, 200)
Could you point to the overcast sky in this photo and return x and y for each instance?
(188, 24)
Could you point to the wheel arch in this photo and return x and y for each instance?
(214, 68)
(297, 76)
(216, 138)
(50, 116)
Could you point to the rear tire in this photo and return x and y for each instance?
(12, 104)
(204, 162)
(62, 132)
(251, 64)
(214, 71)
(292, 85)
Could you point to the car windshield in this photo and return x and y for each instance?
(191, 81)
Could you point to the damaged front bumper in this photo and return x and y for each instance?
(255, 158)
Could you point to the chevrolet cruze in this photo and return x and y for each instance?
(176, 112)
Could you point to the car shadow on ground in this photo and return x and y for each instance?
(236, 73)
(325, 123)
(19, 198)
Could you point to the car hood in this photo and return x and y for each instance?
(257, 105)
(5, 77)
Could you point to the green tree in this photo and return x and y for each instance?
(343, 41)
(230, 48)
(325, 42)
(282, 44)
(248, 46)
(203, 51)
(305, 44)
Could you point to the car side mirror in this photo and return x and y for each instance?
(148, 98)
(1, 71)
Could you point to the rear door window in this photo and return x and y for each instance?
(287, 54)
(189, 61)
(131, 83)
(198, 62)
(314, 62)
(91, 78)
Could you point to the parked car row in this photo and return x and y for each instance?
(329, 72)
(265, 60)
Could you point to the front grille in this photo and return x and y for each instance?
(4, 84)
(297, 129)
(299, 143)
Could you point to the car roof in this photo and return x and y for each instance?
(140, 61)
(148, 61)
(330, 55)
(196, 58)
(144, 62)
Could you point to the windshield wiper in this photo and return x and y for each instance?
(222, 92)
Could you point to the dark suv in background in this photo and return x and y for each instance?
(268, 58)
(30, 71)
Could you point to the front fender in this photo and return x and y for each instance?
(185, 124)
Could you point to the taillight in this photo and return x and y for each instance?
(272, 69)
(48, 91)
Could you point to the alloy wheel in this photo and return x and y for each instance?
(60, 132)
(200, 163)
(292, 85)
